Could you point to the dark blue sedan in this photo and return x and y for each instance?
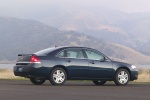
(58, 64)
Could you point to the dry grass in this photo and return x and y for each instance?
(8, 74)
(144, 75)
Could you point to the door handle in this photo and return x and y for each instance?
(92, 62)
(68, 60)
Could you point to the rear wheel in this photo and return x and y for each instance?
(58, 76)
(122, 77)
(99, 82)
(37, 81)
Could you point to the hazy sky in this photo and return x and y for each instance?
(122, 5)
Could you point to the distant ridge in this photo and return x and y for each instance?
(28, 36)
(129, 29)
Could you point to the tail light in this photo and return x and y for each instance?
(34, 59)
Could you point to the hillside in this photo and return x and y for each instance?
(128, 54)
(129, 29)
(28, 36)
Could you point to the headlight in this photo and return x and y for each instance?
(133, 67)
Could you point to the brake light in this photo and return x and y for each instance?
(34, 59)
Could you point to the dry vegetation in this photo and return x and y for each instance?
(8, 74)
(144, 75)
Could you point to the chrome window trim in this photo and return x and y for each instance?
(84, 51)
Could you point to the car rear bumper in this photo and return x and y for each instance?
(29, 70)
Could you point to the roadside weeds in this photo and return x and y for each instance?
(144, 75)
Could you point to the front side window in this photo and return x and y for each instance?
(74, 53)
(93, 55)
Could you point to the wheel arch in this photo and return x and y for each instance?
(63, 67)
(123, 67)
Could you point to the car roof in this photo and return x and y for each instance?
(72, 47)
(51, 49)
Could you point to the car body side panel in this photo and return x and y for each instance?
(77, 68)
(101, 70)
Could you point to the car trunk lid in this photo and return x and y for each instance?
(24, 59)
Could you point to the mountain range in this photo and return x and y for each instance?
(28, 36)
(129, 29)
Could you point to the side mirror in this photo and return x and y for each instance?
(102, 59)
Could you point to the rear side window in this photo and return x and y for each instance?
(74, 53)
(61, 54)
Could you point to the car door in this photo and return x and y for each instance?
(99, 66)
(76, 63)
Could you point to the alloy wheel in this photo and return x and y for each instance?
(58, 76)
(122, 77)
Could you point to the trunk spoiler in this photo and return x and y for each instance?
(26, 54)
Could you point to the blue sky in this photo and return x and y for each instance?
(122, 5)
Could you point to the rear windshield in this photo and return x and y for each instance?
(45, 51)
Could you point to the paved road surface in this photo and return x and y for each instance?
(24, 90)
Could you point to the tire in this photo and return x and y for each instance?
(99, 82)
(122, 77)
(58, 76)
(37, 81)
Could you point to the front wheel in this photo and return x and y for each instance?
(37, 81)
(99, 82)
(122, 77)
(58, 76)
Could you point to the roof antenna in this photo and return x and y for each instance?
(56, 46)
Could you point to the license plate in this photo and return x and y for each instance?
(20, 69)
